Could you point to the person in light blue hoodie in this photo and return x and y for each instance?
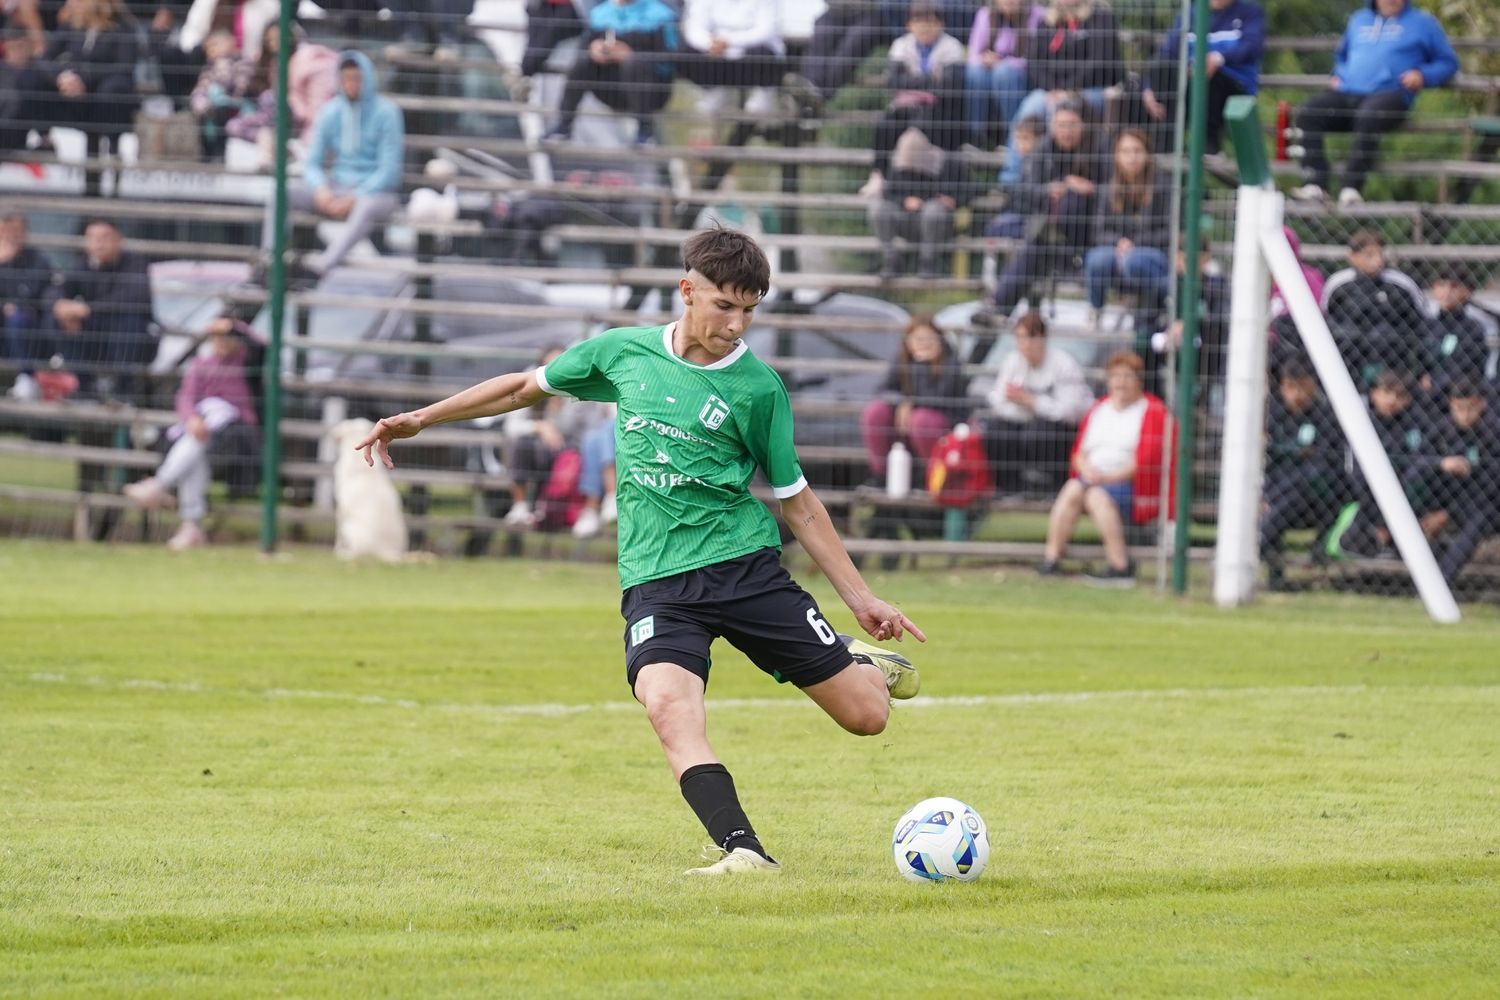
(1390, 51)
(352, 170)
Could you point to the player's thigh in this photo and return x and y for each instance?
(660, 630)
(780, 627)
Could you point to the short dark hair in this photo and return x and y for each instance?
(1363, 239)
(1392, 381)
(1453, 274)
(729, 259)
(1033, 324)
(97, 220)
(923, 10)
(1464, 387)
(1293, 369)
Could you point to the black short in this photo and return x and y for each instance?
(751, 601)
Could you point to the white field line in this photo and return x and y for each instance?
(551, 709)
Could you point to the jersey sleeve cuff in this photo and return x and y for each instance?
(544, 385)
(783, 492)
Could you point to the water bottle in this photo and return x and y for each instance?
(898, 471)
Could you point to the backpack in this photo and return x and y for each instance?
(958, 472)
(560, 501)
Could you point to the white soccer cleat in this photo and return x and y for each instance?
(740, 861)
(587, 525)
(901, 678)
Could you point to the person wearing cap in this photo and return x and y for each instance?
(364, 135)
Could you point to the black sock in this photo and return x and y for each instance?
(709, 789)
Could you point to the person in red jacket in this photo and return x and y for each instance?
(1117, 466)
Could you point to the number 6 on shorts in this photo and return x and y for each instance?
(825, 632)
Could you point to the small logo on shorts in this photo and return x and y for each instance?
(713, 413)
(642, 630)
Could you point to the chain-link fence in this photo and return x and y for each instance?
(974, 213)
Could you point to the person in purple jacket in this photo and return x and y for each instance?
(1390, 52)
(1236, 42)
(213, 398)
(995, 76)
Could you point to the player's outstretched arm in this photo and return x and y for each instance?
(809, 521)
(490, 398)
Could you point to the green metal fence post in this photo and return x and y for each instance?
(270, 474)
(1187, 302)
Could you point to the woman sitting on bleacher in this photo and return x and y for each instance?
(214, 407)
(312, 81)
(90, 70)
(734, 43)
(1132, 229)
(924, 394)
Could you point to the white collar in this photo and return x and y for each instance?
(740, 347)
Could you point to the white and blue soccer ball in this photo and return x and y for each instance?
(940, 839)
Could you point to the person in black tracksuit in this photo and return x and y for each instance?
(1462, 482)
(1458, 334)
(25, 274)
(1407, 433)
(1374, 312)
(1304, 478)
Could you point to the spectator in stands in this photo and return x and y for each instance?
(1075, 50)
(1025, 138)
(312, 81)
(535, 437)
(1374, 312)
(549, 23)
(842, 37)
(925, 75)
(435, 23)
(1213, 328)
(1058, 197)
(1304, 480)
(1132, 230)
(995, 78)
(90, 62)
(627, 64)
(362, 133)
(1465, 482)
(22, 82)
(1117, 471)
(923, 190)
(1236, 42)
(224, 90)
(924, 394)
(1389, 52)
(734, 43)
(25, 275)
(1038, 399)
(250, 20)
(214, 408)
(596, 478)
(1406, 434)
(26, 17)
(1459, 335)
(102, 315)
(1313, 276)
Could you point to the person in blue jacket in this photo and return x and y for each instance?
(1390, 51)
(1236, 42)
(352, 170)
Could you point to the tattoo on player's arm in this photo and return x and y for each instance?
(809, 519)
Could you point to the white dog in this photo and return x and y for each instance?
(367, 506)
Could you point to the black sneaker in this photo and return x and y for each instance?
(1048, 567)
(1111, 577)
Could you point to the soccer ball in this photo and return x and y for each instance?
(938, 839)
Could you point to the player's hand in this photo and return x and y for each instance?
(885, 621)
(402, 425)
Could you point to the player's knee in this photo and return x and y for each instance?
(869, 720)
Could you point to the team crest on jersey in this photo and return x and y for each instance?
(713, 413)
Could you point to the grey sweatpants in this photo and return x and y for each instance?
(369, 210)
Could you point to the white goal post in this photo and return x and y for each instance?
(1261, 253)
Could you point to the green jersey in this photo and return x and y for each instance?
(688, 439)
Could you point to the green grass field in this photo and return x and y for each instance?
(222, 775)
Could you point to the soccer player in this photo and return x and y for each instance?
(698, 554)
